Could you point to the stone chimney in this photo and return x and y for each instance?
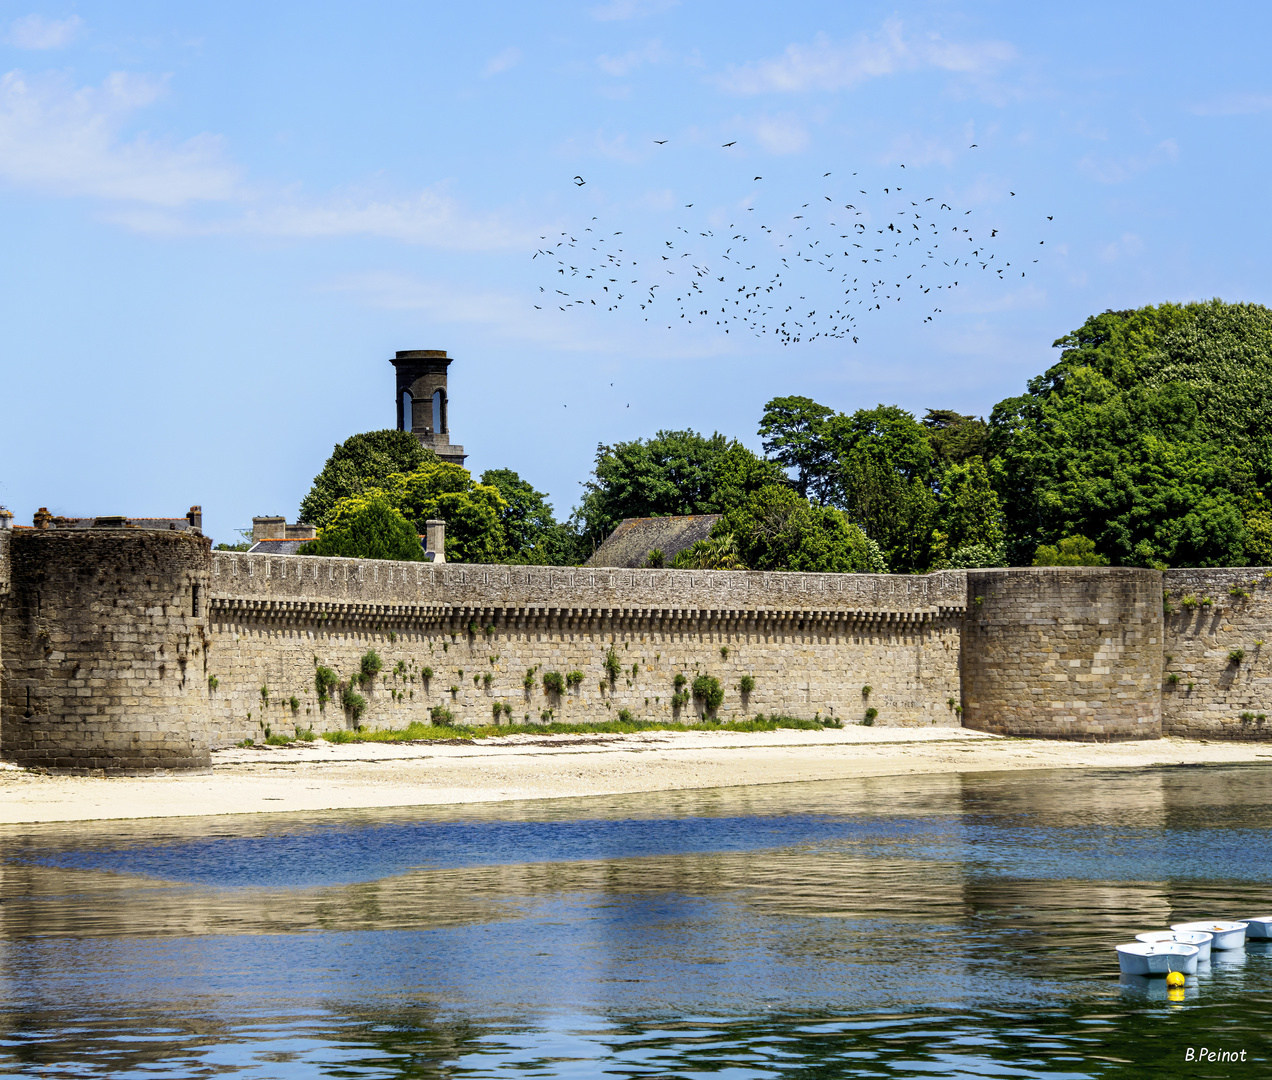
(6, 520)
(302, 530)
(195, 518)
(41, 518)
(269, 528)
(435, 540)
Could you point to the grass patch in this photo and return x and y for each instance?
(425, 732)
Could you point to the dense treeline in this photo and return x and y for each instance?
(1149, 443)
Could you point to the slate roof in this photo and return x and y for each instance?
(629, 545)
(277, 547)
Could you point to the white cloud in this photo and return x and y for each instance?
(827, 65)
(66, 141)
(1117, 171)
(652, 53)
(504, 314)
(1234, 105)
(1128, 245)
(781, 134)
(431, 218)
(630, 9)
(500, 62)
(37, 32)
(58, 138)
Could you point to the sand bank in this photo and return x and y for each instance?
(324, 776)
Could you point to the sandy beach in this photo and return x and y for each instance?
(326, 776)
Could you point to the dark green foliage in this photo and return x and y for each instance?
(426, 674)
(370, 666)
(573, 679)
(613, 666)
(625, 716)
(440, 714)
(361, 462)
(794, 434)
(375, 530)
(680, 680)
(553, 682)
(655, 559)
(955, 438)
(746, 684)
(775, 529)
(675, 472)
(1151, 436)
(1235, 656)
(294, 702)
(354, 703)
(871, 713)
(324, 680)
(707, 689)
(531, 534)
(717, 552)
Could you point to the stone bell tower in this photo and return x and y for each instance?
(422, 403)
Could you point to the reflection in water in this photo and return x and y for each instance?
(942, 926)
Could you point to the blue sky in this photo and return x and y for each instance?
(221, 220)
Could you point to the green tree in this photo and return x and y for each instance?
(715, 553)
(1148, 436)
(884, 481)
(472, 512)
(954, 437)
(362, 527)
(1070, 551)
(969, 528)
(674, 473)
(794, 434)
(361, 462)
(531, 533)
(775, 529)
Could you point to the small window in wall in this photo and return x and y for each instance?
(406, 422)
(195, 601)
(438, 424)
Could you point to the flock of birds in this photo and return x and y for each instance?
(814, 272)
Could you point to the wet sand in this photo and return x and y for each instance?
(326, 776)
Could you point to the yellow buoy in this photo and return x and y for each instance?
(1175, 978)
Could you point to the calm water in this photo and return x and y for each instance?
(935, 927)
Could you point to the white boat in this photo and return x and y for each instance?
(1227, 935)
(1200, 938)
(1259, 928)
(1141, 958)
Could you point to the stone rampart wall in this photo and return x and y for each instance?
(1207, 690)
(103, 651)
(811, 642)
(1063, 652)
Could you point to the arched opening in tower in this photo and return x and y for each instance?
(439, 412)
(405, 414)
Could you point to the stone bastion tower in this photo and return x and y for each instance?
(422, 403)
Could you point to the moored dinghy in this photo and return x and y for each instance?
(1227, 935)
(1161, 958)
(1259, 928)
(1200, 938)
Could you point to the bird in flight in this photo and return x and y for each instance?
(729, 143)
(579, 181)
(660, 142)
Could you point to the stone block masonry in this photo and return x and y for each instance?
(103, 644)
(810, 642)
(1063, 652)
(1217, 663)
(133, 649)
